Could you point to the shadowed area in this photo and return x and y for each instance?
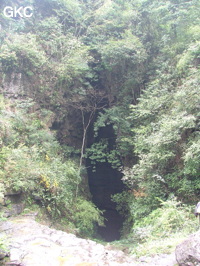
(103, 183)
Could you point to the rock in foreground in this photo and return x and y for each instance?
(188, 252)
(33, 244)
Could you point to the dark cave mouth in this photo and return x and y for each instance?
(113, 225)
(104, 183)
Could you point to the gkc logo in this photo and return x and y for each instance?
(13, 12)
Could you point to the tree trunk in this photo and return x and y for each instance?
(85, 128)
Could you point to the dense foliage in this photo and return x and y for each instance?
(163, 229)
(34, 164)
(132, 65)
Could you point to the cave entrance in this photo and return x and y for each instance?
(103, 183)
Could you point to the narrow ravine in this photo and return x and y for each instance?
(104, 182)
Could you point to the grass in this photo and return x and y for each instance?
(161, 231)
(152, 245)
(159, 245)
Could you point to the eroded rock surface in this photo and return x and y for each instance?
(188, 252)
(34, 244)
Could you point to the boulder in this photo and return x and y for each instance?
(15, 209)
(188, 252)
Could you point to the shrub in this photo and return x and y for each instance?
(87, 216)
(171, 217)
(32, 162)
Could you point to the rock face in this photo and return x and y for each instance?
(13, 85)
(33, 244)
(14, 210)
(188, 252)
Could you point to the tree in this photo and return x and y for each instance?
(88, 107)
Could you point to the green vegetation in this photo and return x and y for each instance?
(32, 163)
(160, 231)
(77, 67)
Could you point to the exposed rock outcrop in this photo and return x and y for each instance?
(15, 209)
(31, 243)
(12, 85)
(188, 252)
